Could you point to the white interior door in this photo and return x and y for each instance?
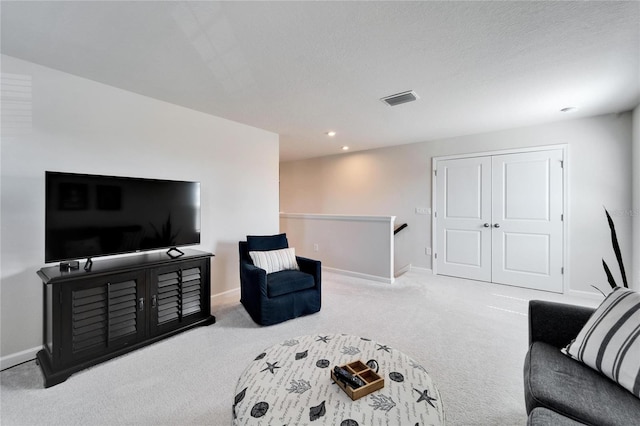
(499, 219)
(527, 219)
(463, 207)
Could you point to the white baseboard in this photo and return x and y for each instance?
(12, 360)
(225, 293)
(405, 268)
(360, 275)
(591, 296)
(421, 270)
(224, 297)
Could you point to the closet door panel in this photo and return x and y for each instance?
(527, 220)
(463, 208)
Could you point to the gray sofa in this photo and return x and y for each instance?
(561, 391)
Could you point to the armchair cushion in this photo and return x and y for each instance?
(267, 242)
(284, 282)
(275, 260)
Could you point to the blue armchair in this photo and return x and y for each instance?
(278, 296)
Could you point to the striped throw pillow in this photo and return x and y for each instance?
(275, 260)
(610, 341)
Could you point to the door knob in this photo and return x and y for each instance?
(486, 225)
(496, 225)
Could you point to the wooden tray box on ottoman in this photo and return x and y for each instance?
(371, 378)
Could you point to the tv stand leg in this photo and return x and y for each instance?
(88, 264)
(174, 256)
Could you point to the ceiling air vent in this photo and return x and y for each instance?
(400, 98)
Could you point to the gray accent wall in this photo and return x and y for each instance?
(56, 121)
(395, 181)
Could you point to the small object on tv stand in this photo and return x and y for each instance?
(174, 256)
(88, 264)
(69, 266)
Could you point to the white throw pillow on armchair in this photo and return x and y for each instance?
(275, 260)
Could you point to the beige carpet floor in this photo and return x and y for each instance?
(470, 336)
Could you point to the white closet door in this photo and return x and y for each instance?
(527, 220)
(499, 219)
(463, 191)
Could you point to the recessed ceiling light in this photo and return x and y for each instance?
(345, 148)
(331, 134)
(568, 109)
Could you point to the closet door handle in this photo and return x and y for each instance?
(496, 225)
(486, 225)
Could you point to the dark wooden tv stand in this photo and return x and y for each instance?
(118, 306)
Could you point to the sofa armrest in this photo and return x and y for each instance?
(556, 323)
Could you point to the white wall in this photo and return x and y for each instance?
(77, 125)
(636, 200)
(394, 181)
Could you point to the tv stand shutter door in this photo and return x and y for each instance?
(167, 298)
(179, 295)
(103, 315)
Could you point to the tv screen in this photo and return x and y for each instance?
(90, 215)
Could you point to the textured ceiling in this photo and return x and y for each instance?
(300, 69)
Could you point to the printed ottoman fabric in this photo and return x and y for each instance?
(290, 384)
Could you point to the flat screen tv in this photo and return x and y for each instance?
(90, 215)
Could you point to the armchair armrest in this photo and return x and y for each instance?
(251, 275)
(556, 323)
(310, 266)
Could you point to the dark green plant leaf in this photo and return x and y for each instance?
(616, 249)
(601, 292)
(612, 282)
